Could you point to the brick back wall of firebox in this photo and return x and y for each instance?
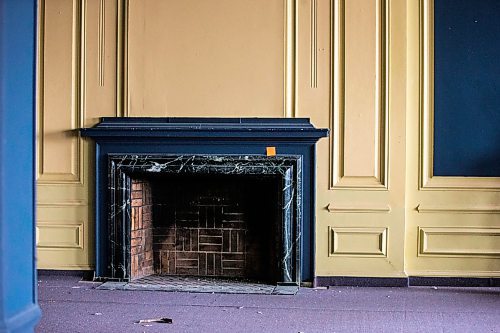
(204, 227)
(141, 230)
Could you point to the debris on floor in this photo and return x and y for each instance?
(155, 320)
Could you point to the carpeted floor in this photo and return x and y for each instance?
(69, 305)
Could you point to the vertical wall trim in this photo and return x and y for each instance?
(40, 89)
(101, 41)
(122, 109)
(314, 43)
(338, 93)
(382, 88)
(337, 142)
(79, 79)
(290, 84)
(82, 47)
(427, 90)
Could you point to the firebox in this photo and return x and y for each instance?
(226, 226)
(228, 198)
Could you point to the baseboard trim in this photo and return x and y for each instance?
(453, 281)
(352, 281)
(84, 274)
(412, 281)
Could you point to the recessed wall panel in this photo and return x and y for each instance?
(59, 114)
(358, 242)
(360, 88)
(60, 235)
(359, 94)
(466, 88)
(456, 241)
(206, 58)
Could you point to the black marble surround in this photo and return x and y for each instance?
(122, 168)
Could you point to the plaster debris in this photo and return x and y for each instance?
(97, 314)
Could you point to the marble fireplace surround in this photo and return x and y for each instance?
(127, 147)
(122, 168)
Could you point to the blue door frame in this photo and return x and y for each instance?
(19, 311)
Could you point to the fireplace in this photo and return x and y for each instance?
(228, 198)
(225, 226)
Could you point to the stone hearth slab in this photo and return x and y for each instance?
(198, 285)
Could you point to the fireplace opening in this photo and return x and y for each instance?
(206, 225)
(222, 216)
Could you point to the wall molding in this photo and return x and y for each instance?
(335, 245)
(314, 43)
(493, 209)
(62, 204)
(101, 41)
(75, 176)
(426, 150)
(425, 248)
(338, 179)
(290, 58)
(74, 233)
(122, 59)
(360, 208)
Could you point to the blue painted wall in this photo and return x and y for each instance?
(18, 302)
(467, 88)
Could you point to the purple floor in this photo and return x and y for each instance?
(72, 306)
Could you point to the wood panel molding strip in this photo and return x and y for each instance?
(314, 43)
(290, 58)
(40, 49)
(101, 27)
(61, 204)
(122, 104)
(493, 209)
(426, 127)
(367, 208)
(366, 183)
(337, 90)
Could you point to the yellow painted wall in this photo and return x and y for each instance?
(350, 65)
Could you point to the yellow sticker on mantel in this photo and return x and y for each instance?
(271, 151)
